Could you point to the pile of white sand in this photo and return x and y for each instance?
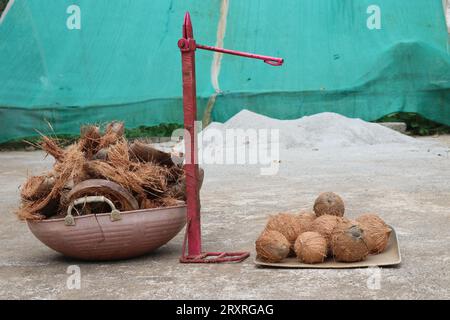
(319, 131)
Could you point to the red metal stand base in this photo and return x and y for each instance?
(210, 257)
(216, 257)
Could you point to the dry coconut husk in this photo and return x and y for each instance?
(311, 247)
(153, 179)
(376, 232)
(160, 202)
(287, 224)
(169, 202)
(178, 190)
(329, 203)
(50, 146)
(117, 127)
(37, 210)
(117, 155)
(147, 179)
(90, 140)
(348, 242)
(97, 156)
(306, 218)
(146, 153)
(325, 225)
(69, 170)
(114, 132)
(37, 187)
(272, 246)
(127, 179)
(178, 187)
(146, 203)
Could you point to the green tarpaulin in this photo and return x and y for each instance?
(70, 62)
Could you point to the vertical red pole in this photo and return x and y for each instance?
(187, 47)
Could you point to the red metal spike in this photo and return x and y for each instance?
(187, 27)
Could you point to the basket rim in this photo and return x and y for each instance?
(108, 213)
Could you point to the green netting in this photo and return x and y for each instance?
(124, 62)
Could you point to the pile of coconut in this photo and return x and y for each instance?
(102, 162)
(312, 236)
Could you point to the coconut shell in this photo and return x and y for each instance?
(287, 224)
(348, 243)
(329, 203)
(376, 232)
(121, 197)
(325, 225)
(272, 246)
(311, 247)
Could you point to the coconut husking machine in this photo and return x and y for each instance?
(192, 238)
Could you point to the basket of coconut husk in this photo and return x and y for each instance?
(325, 238)
(105, 198)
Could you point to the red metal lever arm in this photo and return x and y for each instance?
(273, 61)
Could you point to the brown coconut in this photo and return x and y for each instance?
(287, 224)
(311, 247)
(348, 243)
(306, 218)
(376, 232)
(325, 225)
(371, 218)
(272, 246)
(329, 203)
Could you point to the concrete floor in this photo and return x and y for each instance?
(408, 187)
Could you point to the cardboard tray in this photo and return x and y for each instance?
(390, 257)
